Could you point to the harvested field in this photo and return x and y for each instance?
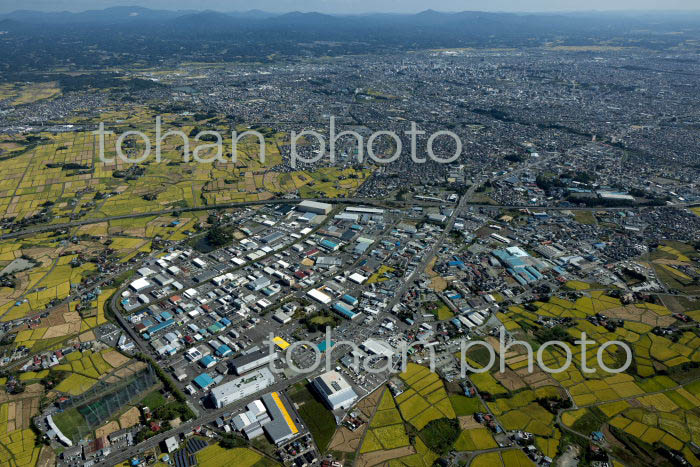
(468, 422)
(510, 380)
(47, 458)
(367, 405)
(379, 457)
(87, 336)
(633, 313)
(345, 440)
(114, 358)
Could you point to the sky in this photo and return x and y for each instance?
(357, 6)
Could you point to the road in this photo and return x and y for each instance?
(463, 202)
(164, 212)
(359, 201)
(208, 417)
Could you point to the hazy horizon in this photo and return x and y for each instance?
(360, 6)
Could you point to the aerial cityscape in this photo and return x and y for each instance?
(251, 238)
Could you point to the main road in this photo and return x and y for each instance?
(357, 201)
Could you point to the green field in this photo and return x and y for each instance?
(318, 418)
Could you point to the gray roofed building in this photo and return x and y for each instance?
(281, 428)
(315, 207)
(259, 283)
(251, 361)
(273, 237)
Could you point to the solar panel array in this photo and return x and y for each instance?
(186, 457)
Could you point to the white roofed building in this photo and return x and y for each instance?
(335, 390)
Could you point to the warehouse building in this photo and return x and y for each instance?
(335, 390)
(251, 361)
(204, 381)
(319, 296)
(281, 428)
(314, 206)
(364, 210)
(242, 387)
(140, 284)
(273, 237)
(259, 283)
(252, 420)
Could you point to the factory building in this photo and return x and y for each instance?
(314, 207)
(242, 387)
(335, 390)
(251, 361)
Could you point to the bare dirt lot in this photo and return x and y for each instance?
(129, 418)
(107, 429)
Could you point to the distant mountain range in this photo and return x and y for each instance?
(126, 34)
(139, 15)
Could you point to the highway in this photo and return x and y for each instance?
(357, 201)
(165, 212)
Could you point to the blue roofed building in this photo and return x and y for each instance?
(160, 326)
(327, 244)
(344, 311)
(207, 361)
(524, 268)
(204, 381)
(349, 299)
(224, 351)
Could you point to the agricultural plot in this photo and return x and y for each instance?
(662, 414)
(62, 324)
(485, 382)
(656, 353)
(47, 276)
(516, 376)
(17, 414)
(593, 391)
(386, 429)
(85, 369)
(475, 440)
(423, 457)
(549, 446)
(385, 442)
(428, 399)
(465, 406)
(669, 262)
(671, 430)
(511, 458)
(577, 285)
(216, 456)
(34, 92)
(646, 406)
(441, 311)
(385, 438)
(638, 320)
(380, 275)
(67, 170)
(18, 444)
